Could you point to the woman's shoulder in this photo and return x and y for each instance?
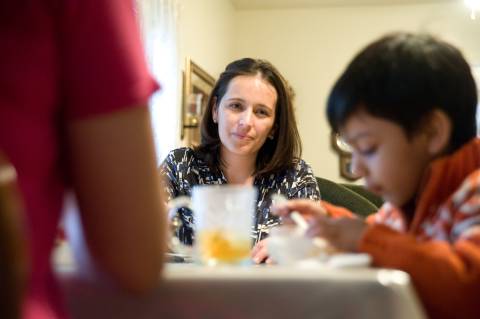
(302, 164)
(299, 170)
(187, 160)
(297, 181)
(300, 167)
(181, 154)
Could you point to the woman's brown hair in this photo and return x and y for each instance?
(274, 155)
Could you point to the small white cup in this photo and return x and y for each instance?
(286, 245)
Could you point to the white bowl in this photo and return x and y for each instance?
(287, 245)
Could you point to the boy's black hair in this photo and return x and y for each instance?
(403, 77)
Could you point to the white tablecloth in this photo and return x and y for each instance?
(263, 292)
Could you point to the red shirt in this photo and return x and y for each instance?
(60, 61)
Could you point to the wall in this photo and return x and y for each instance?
(206, 33)
(312, 46)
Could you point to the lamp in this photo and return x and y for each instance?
(474, 6)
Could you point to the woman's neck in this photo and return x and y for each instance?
(238, 169)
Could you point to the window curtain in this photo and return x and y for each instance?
(158, 22)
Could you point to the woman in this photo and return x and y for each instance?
(249, 137)
(84, 128)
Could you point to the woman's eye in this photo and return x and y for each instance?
(235, 106)
(262, 112)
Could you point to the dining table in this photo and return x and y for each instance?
(189, 290)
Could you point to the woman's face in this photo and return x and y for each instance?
(246, 115)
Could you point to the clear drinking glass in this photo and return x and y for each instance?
(223, 217)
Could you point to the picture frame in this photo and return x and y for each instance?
(345, 157)
(197, 86)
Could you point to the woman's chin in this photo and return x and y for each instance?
(242, 150)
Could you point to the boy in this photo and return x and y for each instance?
(406, 104)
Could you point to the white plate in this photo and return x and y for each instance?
(349, 260)
(338, 261)
(178, 258)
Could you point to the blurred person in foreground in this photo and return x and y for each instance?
(73, 116)
(406, 104)
(13, 262)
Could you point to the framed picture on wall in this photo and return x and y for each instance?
(197, 86)
(344, 157)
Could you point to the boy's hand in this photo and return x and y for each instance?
(343, 233)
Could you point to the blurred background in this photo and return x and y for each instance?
(309, 41)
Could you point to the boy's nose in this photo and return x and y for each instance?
(357, 166)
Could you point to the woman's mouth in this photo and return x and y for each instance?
(242, 136)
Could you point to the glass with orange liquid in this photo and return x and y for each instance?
(223, 217)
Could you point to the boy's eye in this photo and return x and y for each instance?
(368, 151)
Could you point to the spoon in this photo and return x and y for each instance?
(301, 223)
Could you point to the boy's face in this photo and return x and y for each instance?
(392, 164)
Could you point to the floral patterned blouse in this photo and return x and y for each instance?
(183, 169)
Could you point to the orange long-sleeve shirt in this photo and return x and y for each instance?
(440, 249)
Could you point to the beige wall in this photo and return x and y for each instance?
(206, 33)
(312, 46)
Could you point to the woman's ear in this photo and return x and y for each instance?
(271, 135)
(439, 128)
(214, 110)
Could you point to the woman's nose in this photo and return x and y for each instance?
(246, 118)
